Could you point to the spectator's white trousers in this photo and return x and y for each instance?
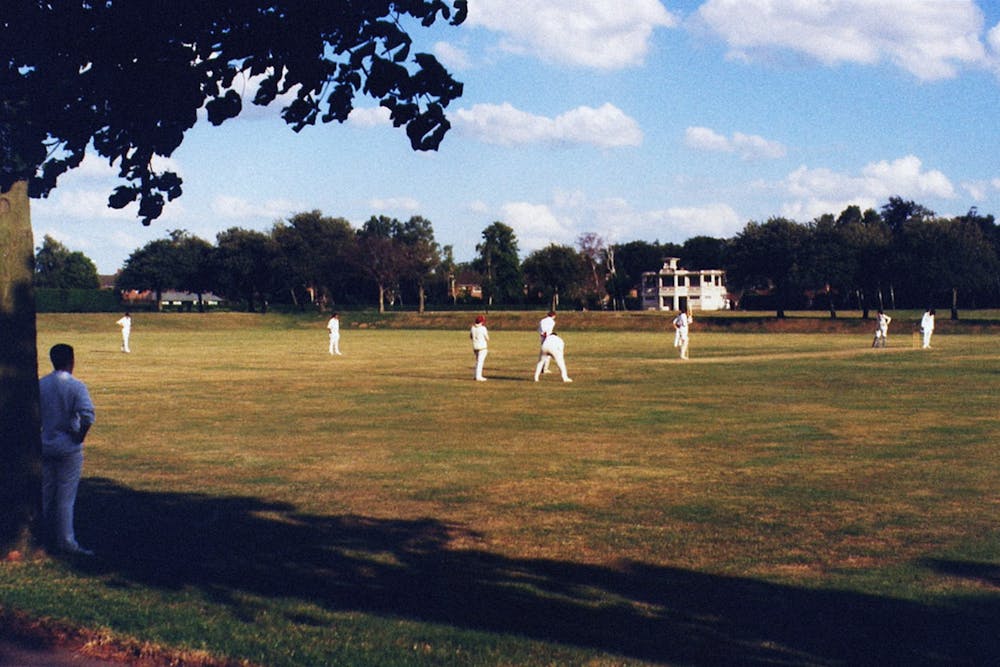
(60, 481)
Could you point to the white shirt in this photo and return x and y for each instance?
(681, 323)
(125, 323)
(334, 326)
(927, 322)
(66, 409)
(546, 326)
(480, 336)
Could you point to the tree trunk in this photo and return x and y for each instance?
(421, 299)
(20, 441)
(381, 299)
(954, 303)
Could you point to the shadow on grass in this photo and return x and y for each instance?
(405, 568)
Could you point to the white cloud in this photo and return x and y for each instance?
(478, 206)
(405, 204)
(749, 146)
(451, 56)
(928, 38)
(978, 190)
(719, 220)
(537, 225)
(570, 214)
(905, 175)
(706, 139)
(229, 207)
(604, 127)
(993, 40)
(370, 117)
(817, 191)
(591, 33)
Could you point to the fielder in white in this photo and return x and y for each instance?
(552, 348)
(881, 329)
(126, 324)
(927, 327)
(333, 326)
(546, 326)
(480, 341)
(681, 324)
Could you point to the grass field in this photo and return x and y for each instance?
(795, 499)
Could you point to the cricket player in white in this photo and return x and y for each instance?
(681, 324)
(126, 324)
(927, 327)
(552, 348)
(334, 328)
(480, 341)
(545, 327)
(881, 329)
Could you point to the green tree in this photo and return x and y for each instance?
(196, 271)
(946, 258)
(247, 262)
(828, 264)
(421, 255)
(703, 252)
(382, 255)
(499, 265)
(553, 272)
(769, 256)
(57, 266)
(594, 253)
(320, 256)
(154, 267)
(75, 76)
(867, 238)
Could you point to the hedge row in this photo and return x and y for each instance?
(55, 300)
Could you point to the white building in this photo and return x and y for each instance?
(672, 288)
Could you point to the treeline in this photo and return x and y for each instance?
(900, 256)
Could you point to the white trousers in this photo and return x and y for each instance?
(335, 343)
(552, 348)
(125, 335)
(60, 481)
(927, 337)
(682, 343)
(480, 361)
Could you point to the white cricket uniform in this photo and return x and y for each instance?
(334, 327)
(126, 324)
(480, 341)
(882, 330)
(545, 327)
(552, 348)
(681, 324)
(927, 327)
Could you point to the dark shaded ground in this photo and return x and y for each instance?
(227, 545)
(27, 653)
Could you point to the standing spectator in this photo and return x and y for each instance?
(67, 413)
(881, 329)
(126, 324)
(334, 328)
(681, 324)
(545, 328)
(480, 341)
(927, 327)
(552, 348)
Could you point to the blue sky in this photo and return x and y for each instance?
(650, 120)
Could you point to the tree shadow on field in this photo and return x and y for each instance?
(226, 546)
